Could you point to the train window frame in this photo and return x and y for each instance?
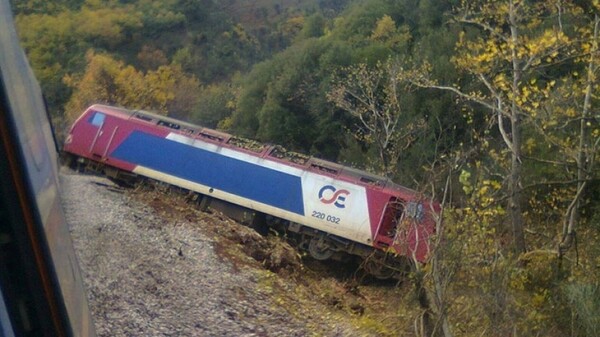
(27, 305)
(97, 119)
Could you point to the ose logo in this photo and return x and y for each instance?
(338, 198)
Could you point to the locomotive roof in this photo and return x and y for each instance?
(123, 112)
(111, 110)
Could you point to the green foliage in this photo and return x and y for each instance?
(507, 292)
(585, 301)
(215, 103)
(43, 6)
(314, 26)
(105, 27)
(266, 73)
(106, 80)
(55, 44)
(49, 45)
(358, 21)
(57, 37)
(286, 90)
(252, 98)
(375, 98)
(295, 82)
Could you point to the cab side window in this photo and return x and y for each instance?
(97, 119)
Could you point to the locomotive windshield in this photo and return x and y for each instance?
(97, 119)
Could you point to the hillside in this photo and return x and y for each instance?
(489, 107)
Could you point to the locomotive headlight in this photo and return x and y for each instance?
(414, 210)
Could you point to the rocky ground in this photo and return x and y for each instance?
(155, 266)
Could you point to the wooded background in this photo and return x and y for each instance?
(490, 107)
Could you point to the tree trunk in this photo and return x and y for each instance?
(514, 182)
(437, 266)
(516, 215)
(582, 152)
(426, 325)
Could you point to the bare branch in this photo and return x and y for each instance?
(485, 26)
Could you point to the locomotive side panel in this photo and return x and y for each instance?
(250, 181)
(337, 207)
(213, 172)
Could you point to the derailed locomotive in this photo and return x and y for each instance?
(329, 207)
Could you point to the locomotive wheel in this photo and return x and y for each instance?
(319, 248)
(378, 270)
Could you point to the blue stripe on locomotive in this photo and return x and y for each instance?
(214, 170)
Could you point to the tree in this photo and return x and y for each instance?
(43, 6)
(151, 58)
(283, 99)
(314, 26)
(96, 85)
(505, 48)
(173, 91)
(374, 97)
(387, 33)
(216, 102)
(110, 81)
(587, 147)
(56, 41)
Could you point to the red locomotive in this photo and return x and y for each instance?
(332, 207)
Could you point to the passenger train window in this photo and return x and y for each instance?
(97, 119)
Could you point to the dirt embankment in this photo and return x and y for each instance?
(154, 266)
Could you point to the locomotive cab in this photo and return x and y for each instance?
(96, 132)
(404, 228)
